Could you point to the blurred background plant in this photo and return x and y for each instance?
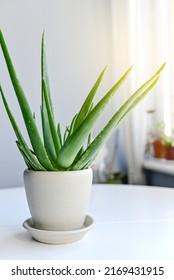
(158, 145)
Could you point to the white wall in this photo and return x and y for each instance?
(78, 35)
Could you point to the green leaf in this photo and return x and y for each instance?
(27, 161)
(26, 111)
(59, 134)
(51, 140)
(31, 158)
(85, 109)
(69, 150)
(65, 137)
(53, 130)
(44, 71)
(77, 158)
(47, 136)
(70, 128)
(91, 152)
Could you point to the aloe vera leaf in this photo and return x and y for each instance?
(89, 140)
(30, 167)
(81, 151)
(66, 154)
(27, 161)
(88, 101)
(71, 127)
(47, 135)
(44, 70)
(69, 150)
(59, 134)
(48, 141)
(65, 137)
(33, 133)
(77, 158)
(53, 130)
(91, 152)
(19, 136)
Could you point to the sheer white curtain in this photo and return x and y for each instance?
(140, 35)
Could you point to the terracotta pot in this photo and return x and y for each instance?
(169, 152)
(158, 148)
(58, 200)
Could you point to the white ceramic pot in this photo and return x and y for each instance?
(58, 200)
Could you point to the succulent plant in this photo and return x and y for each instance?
(73, 149)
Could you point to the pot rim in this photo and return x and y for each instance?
(87, 170)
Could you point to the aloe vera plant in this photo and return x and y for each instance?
(72, 150)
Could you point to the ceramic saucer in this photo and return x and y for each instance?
(58, 237)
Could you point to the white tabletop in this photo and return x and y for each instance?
(132, 222)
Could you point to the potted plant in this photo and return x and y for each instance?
(169, 148)
(155, 145)
(58, 177)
